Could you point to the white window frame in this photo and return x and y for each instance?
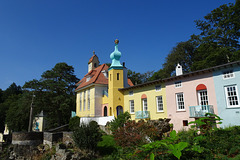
(130, 93)
(236, 96)
(159, 103)
(144, 104)
(177, 102)
(131, 106)
(202, 97)
(228, 74)
(178, 84)
(158, 88)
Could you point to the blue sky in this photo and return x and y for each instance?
(37, 34)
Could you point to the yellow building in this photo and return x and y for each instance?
(107, 91)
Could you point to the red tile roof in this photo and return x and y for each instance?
(97, 77)
(91, 59)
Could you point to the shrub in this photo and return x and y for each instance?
(74, 122)
(121, 119)
(87, 136)
(134, 133)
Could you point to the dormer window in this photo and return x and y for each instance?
(178, 84)
(228, 74)
(88, 78)
(105, 73)
(158, 87)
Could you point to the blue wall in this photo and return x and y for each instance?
(230, 116)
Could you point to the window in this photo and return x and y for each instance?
(88, 99)
(131, 102)
(185, 122)
(84, 101)
(159, 103)
(232, 96)
(180, 102)
(144, 102)
(117, 76)
(80, 101)
(228, 74)
(88, 78)
(203, 97)
(130, 93)
(95, 65)
(178, 84)
(158, 87)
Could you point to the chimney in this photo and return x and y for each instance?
(179, 70)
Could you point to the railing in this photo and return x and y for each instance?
(105, 93)
(142, 114)
(200, 111)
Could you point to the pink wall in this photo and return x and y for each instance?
(103, 105)
(189, 84)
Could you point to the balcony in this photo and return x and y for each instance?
(142, 114)
(200, 111)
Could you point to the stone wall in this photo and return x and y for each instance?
(52, 138)
(67, 138)
(27, 138)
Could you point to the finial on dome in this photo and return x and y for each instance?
(116, 41)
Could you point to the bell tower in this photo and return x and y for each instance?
(115, 81)
(93, 62)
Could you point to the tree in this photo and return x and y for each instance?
(55, 94)
(7, 100)
(139, 78)
(17, 115)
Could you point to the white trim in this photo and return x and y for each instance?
(144, 101)
(228, 74)
(182, 101)
(130, 107)
(227, 98)
(157, 103)
(178, 84)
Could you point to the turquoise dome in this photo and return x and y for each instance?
(115, 56)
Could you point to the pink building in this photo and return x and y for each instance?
(190, 96)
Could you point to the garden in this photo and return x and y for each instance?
(155, 139)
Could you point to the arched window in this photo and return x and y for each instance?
(202, 94)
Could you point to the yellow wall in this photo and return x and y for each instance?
(115, 97)
(151, 94)
(104, 99)
(86, 112)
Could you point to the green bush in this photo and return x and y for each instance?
(107, 145)
(121, 119)
(87, 136)
(74, 122)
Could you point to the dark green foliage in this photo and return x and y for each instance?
(107, 145)
(218, 43)
(139, 78)
(8, 98)
(74, 122)
(87, 136)
(17, 116)
(121, 119)
(55, 94)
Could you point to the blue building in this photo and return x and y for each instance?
(227, 87)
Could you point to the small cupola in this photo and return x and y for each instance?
(93, 62)
(115, 56)
(179, 70)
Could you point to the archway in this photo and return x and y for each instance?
(105, 111)
(119, 110)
